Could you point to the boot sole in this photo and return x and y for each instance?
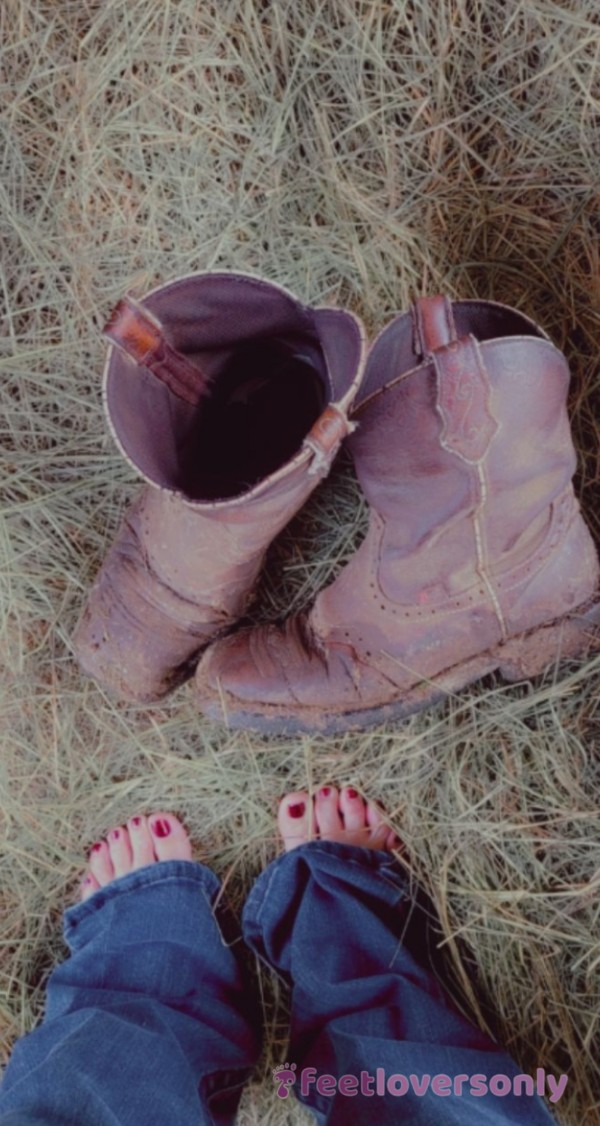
(522, 657)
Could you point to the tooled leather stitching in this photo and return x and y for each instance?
(563, 514)
(463, 401)
(561, 518)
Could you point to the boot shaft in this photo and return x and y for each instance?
(280, 378)
(475, 433)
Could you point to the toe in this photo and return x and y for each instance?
(120, 851)
(89, 885)
(375, 815)
(142, 845)
(101, 864)
(170, 839)
(380, 833)
(378, 837)
(354, 809)
(328, 818)
(393, 841)
(294, 819)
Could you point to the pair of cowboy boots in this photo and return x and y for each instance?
(231, 398)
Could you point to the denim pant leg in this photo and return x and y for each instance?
(148, 1021)
(338, 924)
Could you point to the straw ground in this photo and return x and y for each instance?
(359, 153)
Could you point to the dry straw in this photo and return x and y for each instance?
(359, 153)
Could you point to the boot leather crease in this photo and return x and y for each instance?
(231, 398)
(476, 558)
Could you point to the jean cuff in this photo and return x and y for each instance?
(164, 872)
(382, 864)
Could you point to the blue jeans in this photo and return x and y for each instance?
(152, 1018)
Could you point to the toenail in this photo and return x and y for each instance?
(115, 834)
(87, 881)
(352, 793)
(325, 791)
(161, 828)
(136, 821)
(97, 846)
(296, 810)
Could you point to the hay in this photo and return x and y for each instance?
(358, 153)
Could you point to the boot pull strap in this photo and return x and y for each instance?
(140, 336)
(433, 324)
(325, 438)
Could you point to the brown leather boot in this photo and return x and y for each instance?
(477, 557)
(231, 398)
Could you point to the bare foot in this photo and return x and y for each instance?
(342, 816)
(144, 840)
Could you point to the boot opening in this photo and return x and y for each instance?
(271, 363)
(261, 407)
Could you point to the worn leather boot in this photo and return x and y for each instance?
(231, 399)
(477, 557)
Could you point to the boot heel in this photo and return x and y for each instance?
(576, 635)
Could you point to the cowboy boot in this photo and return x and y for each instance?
(231, 398)
(476, 559)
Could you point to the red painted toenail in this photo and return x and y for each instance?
(161, 828)
(296, 810)
(325, 791)
(136, 821)
(352, 793)
(97, 846)
(115, 834)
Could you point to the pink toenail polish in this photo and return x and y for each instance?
(136, 821)
(115, 834)
(161, 828)
(97, 846)
(87, 881)
(325, 791)
(352, 793)
(296, 810)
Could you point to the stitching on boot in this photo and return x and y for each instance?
(482, 567)
(563, 513)
(464, 392)
(463, 401)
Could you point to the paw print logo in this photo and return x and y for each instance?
(285, 1076)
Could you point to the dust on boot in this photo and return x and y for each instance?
(477, 557)
(231, 398)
